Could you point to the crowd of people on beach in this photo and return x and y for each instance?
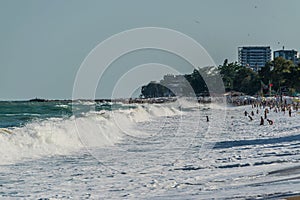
(268, 106)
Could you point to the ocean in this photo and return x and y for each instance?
(93, 150)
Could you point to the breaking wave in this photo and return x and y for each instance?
(62, 136)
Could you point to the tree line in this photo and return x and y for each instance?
(277, 76)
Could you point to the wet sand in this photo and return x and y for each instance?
(293, 198)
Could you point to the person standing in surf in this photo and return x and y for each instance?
(262, 121)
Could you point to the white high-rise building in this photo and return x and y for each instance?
(287, 54)
(254, 57)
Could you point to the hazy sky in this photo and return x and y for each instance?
(44, 42)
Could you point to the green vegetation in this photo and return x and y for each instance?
(282, 74)
(154, 89)
(278, 76)
(238, 78)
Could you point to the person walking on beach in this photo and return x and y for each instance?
(290, 112)
(283, 110)
(266, 113)
(246, 113)
(262, 121)
(207, 119)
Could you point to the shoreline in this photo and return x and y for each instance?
(230, 100)
(118, 100)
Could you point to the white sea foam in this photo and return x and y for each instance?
(62, 106)
(60, 136)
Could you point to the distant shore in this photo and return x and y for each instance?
(122, 100)
(236, 100)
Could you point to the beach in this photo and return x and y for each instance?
(149, 151)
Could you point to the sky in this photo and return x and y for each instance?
(43, 43)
